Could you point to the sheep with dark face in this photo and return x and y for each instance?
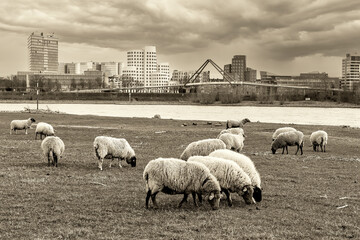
(21, 125)
(319, 138)
(236, 123)
(291, 138)
(202, 148)
(175, 176)
(110, 147)
(53, 148)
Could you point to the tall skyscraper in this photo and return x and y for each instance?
(238, 67)
(350, 72)
(43, 52)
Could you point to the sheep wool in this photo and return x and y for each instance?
(236, 123)
(44, 129)
(238, 131)
(285, 139)
(281, 130)
(247, 165)
(53, 149)
(231, 177)
(21, 124)
(319, 138)
(110, 147)
(175, 176)
(202, 148)
(233, 142)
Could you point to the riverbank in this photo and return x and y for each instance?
(304, 196)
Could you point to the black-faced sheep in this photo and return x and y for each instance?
(53, 149)
(236, 123)
(110, 147)
(21, 124)
(202, 148)
(285, 139)
(319, 138)
(44, 129)
(175, 176)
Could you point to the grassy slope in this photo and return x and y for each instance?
(301, 193)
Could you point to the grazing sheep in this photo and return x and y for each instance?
(319, 138)
(174, 176)
(45, 129)
(109, 147)
(281, 130)
(233, 142)
(202, 148)
(238, 131)
(285, 139)
(53, 148)
(236, 123)
(247, 165)
(231, 177)
(21, 124)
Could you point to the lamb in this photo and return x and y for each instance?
(110, 147)
(236, 123)
(286, 139)
(233, 141)
(231, 177)
(247, 165)
(45, 129)
(238, 131)
(281, 130)
(53, 148)
(21, 124)
(319, 138)
(175, 176)
(202, 148)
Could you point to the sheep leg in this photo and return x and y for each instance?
(194, 198)
(321, 148)
(200, 197)
(48, 159)
(120, 162)
(297, 149)
(301, 149)
(26, 131)
(100, 163)
(184, 199)
(36, 135)
(287, 150)
(147, 199)
(283, 150)
(111, 160)
(153, 198)
(324, 148)
(228, 197)
(55, 159)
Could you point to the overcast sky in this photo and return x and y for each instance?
(283, 37)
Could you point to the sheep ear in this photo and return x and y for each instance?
(211, 197)
(244, 189)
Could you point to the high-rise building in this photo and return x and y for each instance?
(238, 67)
(350, 72)
(43, 52)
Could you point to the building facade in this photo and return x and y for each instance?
(350, 72)
(238, 67)
(43, 52)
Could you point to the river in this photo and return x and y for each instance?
(296, 115)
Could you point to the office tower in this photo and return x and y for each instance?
(350, 72)
(238, 67)
(43, 52)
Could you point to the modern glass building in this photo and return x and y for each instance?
(350, 72)
(43, 52)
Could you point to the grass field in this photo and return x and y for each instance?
(313, 196)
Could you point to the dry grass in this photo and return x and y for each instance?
(77, 201)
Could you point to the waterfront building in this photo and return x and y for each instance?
(43, 52)
(110, 68)
(250, 75)
(350, 72)
(238, 67)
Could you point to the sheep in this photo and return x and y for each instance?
(233, 141)
(281, 130)
(286, 139)
(238, 131)
(318, 138)
(175, 176)
(202, 148)
(21, 124)
(45, 129)
(231, 177)
(53, 147)
(247, 165)
(236, 123)
(110, 147)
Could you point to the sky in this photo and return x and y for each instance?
(278, 36)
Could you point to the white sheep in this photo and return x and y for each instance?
(53, 148)
(21, 124)
(285, 139)
(202, 148)
(281, 130)
(110, 147)
(233, 142)
(44, 129)
(231, 177)
(175, 176)
(238, 131)
(236, 123)
(247, 165)
(319, 138)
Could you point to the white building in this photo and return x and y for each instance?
(350, 72)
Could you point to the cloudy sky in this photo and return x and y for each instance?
(284, 37)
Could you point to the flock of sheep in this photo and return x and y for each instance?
(206, 168)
